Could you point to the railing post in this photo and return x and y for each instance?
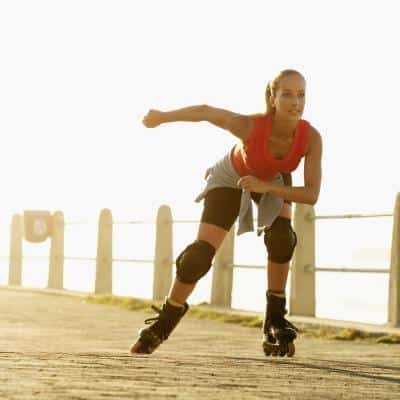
(222, 277)
(162, 274)
(302, 293)
(103, 284)
(16, 236)
(394, 279)
(56, 267)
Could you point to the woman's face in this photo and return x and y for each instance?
(289, 100)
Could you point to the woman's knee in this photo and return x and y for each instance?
(221, 208)
(196, 259)
(280, 240)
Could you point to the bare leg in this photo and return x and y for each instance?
(210, 233)
(277, 276)
(176, 305)
(279, 334)
(181, 291)
(277, 273)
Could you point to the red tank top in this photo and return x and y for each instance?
(254, 158)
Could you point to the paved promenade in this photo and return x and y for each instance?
(58, 347)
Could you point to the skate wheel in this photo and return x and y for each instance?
(135, 348)
(267, 349)
(291, 349)
(283, 349)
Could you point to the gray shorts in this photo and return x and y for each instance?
(223, 175)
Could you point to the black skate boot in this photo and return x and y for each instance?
(279, 333)
(159, 330)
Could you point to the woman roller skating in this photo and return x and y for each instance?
(257, 169)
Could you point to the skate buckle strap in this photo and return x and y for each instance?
(291, 325)
(148, 321)
(281, 321)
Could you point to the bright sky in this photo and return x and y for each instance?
(77, 77)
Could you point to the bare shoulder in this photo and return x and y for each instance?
(241, 126)
(314, 140)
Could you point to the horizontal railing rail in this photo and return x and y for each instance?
(347, 216)
(303, 267)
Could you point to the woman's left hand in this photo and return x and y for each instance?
(252, 184)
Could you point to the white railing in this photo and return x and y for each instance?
(303, 268)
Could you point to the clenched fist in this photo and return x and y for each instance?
(153, 118)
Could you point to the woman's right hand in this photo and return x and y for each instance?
(153, 118)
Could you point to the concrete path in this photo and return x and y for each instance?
(57, 347)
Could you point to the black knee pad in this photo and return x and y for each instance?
(195, 261)
(280, 239)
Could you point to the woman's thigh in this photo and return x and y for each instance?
(286, 211)
(221, 208)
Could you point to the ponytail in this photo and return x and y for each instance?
(268, 94)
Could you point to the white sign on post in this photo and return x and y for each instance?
(37, 225)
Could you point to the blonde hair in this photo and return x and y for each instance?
(273, 86)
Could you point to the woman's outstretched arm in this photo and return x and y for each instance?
(237, 124)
